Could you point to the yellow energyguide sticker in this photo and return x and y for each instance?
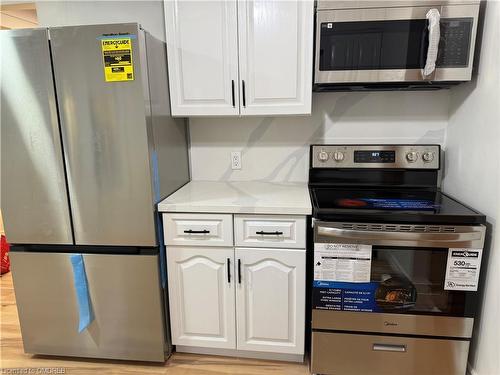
(117, 58)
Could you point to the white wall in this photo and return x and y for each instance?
(277, 148)
(68, 12)
(472, 175)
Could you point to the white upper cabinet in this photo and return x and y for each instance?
(202, 49)
(240, 57)
(275, 51)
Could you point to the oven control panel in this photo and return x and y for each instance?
(376, 156)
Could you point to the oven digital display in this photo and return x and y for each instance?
(374, 156)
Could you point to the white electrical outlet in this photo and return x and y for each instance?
(236, 160)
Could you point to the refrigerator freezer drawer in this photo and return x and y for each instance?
(125, 295)
(351, 354)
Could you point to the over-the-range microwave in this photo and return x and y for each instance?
(409, 44)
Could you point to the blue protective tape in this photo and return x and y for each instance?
(82, 292)
(156, 177)
(163, 260)
(159, 227)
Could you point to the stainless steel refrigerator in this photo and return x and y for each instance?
(88, 148)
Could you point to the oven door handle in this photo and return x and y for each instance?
(474, 238)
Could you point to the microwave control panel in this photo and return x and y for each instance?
(454, 46)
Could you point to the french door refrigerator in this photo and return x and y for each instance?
(88, 148)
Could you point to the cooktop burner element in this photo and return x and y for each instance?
(397, 183)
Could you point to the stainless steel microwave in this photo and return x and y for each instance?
(389, 44)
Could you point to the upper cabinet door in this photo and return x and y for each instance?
(202, 49)
(276, 53)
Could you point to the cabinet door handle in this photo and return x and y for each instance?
(232, 93)
(244, 93)
(277, 233)
(190, 231)
(229, 270)
(239, 271)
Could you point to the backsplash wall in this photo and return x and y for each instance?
(277, 148)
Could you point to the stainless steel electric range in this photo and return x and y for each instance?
(396, 263)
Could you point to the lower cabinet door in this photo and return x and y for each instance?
(270, 299)
(202, 296)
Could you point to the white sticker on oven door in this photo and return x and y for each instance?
(462, 269)
(342, 262)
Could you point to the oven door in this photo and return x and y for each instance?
(391, 44)
(396, 278)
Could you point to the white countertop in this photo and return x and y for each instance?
(243, 197)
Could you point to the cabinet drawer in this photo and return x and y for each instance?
(339, 353)
(198, 229)
(270, 231)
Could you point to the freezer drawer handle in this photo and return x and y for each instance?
(190, 231)
(389, 348)
(277, 233)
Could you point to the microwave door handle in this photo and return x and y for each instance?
(419, 239)
(433, 19)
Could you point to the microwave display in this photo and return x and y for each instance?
(394, 44)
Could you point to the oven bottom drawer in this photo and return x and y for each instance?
(352, 354)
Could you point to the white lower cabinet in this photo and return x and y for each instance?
(270, 300)
(202, 297)
(239, 300)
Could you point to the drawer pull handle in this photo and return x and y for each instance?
(389, 348)
(277, 233)
(190, 231)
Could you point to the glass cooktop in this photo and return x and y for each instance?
(390, 205)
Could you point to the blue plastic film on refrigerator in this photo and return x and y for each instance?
(163, 261)
(156, 177)
(82, 292)
(159, 228)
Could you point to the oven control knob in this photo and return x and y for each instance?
(323, 156)
(338, 156)
(428, 156)
(412, 156)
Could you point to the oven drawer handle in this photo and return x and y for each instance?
(400, 236)
(389, 348)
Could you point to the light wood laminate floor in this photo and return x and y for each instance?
(12, 355)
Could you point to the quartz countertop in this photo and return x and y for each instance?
(242, 197)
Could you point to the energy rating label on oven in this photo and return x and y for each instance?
(342, 262)
(462, 269)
